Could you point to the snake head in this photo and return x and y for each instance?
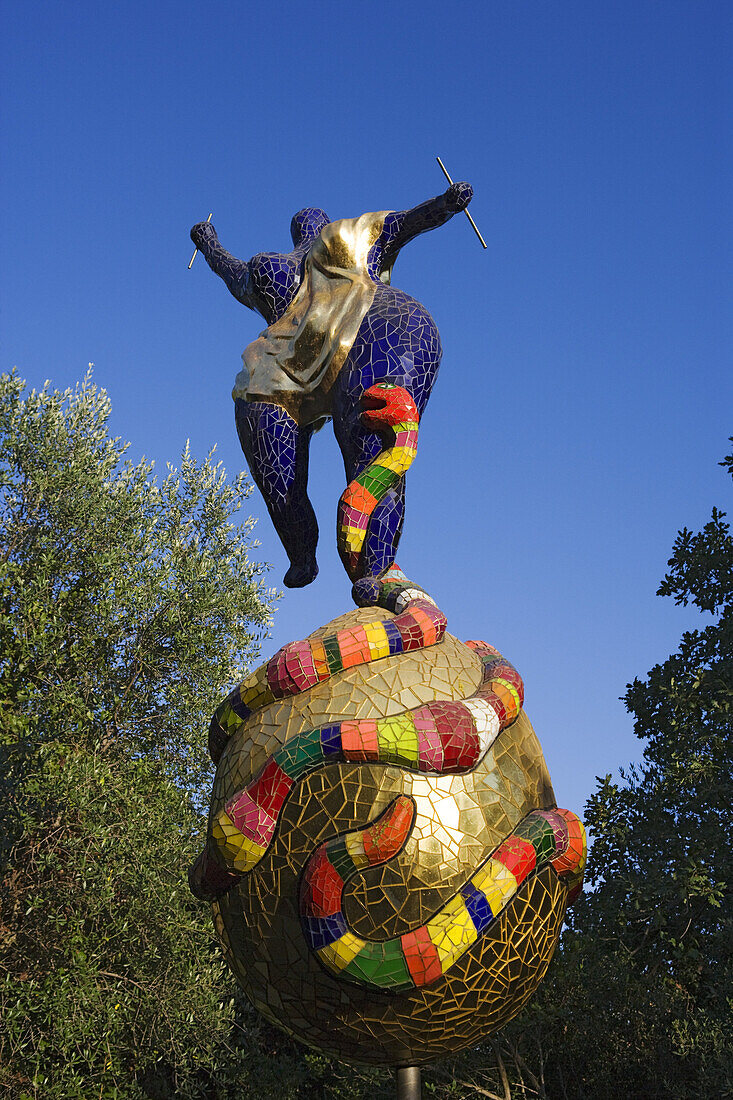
(385, 405)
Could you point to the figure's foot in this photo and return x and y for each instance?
(301, 574)
(366, 591)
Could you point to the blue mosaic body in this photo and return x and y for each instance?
(397, 341)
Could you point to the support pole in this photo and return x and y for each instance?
(450, 181)
(195, 251)
(408, 1083)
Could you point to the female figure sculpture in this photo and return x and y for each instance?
(388, 866)
(335, 329)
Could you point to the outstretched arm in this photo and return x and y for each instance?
(234, 272)
(401, 227)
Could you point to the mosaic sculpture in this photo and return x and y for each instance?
(336, 327)
(388, 866)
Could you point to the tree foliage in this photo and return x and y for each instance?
(638, 1001)
(127, 608)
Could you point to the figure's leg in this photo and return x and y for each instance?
(383, 535)
(276, 449)
(397, 342)
(360, 445)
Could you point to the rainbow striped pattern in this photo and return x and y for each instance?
(420, 957)
(389, 409)
(440, 738)
(301, 665)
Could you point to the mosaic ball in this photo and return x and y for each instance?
(460, 820)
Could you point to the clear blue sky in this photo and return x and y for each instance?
(585, 393)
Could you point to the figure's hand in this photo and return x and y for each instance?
(202, 232)
(459, 195)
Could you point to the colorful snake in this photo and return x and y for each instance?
(389, 410)
(417, 958)
(437, 738)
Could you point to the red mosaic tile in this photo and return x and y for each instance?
(518, 856)
(421, 956)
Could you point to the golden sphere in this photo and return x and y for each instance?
(460, 820)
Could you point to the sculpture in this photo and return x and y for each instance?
(388, 866)
(335, 327)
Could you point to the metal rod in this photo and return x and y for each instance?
(473, 223)
(196, 249)
(408, 1083)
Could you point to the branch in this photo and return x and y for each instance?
(522, 1064)
(502, 1071)
(477, 1089)
(122, 978)
(465, 1084)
